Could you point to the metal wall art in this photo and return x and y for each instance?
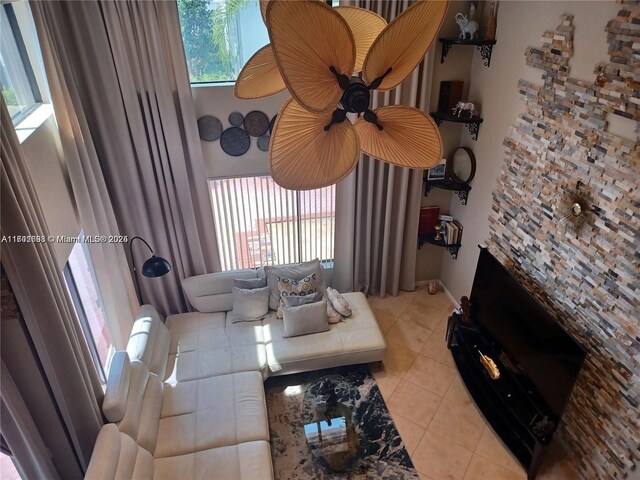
(236, 140)
(209, 128)
(577, 209)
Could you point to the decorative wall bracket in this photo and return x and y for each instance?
(485, 47)
(451, 247)
(462, 189)
(472, 123)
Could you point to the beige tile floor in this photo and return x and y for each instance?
(446, 436)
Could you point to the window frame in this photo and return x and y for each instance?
(26, 64)
(81, 314)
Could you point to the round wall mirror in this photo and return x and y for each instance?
(461, 166)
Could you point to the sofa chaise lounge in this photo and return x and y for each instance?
(186, 399)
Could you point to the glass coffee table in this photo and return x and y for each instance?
(329, 425)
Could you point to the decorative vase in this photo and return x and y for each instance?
(490, 29)
(432, 288)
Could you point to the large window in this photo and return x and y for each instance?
(259, 223)
(17, 79)
(83, 289)
(220, 36)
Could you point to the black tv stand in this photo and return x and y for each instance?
(510, 404)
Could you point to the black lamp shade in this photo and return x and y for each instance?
(155, 267)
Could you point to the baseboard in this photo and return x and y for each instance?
(448, 293)
(424, 283)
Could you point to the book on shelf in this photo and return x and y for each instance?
(428, 220)
(460, 228)
(445, 218)
(451, 233)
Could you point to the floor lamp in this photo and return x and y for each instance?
(152, 267)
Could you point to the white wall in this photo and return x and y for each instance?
(42, 154)
(520, 24)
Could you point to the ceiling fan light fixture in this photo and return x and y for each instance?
(314, 53)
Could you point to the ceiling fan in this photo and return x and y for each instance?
(330, 60)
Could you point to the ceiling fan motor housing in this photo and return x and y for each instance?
(356, 97)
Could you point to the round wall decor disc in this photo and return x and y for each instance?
(256, 123)
(263, 143)
(236, 119)
(209, 128)
(235, 141)
(272, 123)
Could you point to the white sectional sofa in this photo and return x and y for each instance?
(186, 400)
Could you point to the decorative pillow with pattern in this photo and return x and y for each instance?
(338, 302)
(333, 316)
(300, 288)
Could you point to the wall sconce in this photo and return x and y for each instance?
(576, 208)
(152, 267)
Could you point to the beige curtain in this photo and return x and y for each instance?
(378, 205)
(89, 188)
(44, 302)
(127, 62)
(21, 433)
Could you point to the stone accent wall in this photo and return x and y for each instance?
(592, 282)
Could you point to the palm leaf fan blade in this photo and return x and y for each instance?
(409, 138)
(263, 10)
(260, 76)
(308, 38)
(365, 27)
(404, 42)
(303, 155)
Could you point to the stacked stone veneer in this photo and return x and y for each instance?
(591, 281)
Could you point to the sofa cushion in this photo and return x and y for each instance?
(117, 391)
(245, 461)
(295, 271)
(250, 283)
(117, 456)
(149, 340)
(305, 319)
(144, 402)
(212, 292)
(207, 344)
(249, 304)
(212, 412)
(358, 340)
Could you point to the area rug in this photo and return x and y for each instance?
(383, 455)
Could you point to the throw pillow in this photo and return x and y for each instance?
(333, 316)
(305, 319)
(250, 283)
(249, 304)
(297, 300)
(297, 288)
(338, 302)
(295, 271)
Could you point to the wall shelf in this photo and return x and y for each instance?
(472, 123)
(485, 47)
(452, 247)
(461, 188)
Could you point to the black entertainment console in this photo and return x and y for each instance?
(516, 360)
(511, 403)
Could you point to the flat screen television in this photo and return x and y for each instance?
(520, 326)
